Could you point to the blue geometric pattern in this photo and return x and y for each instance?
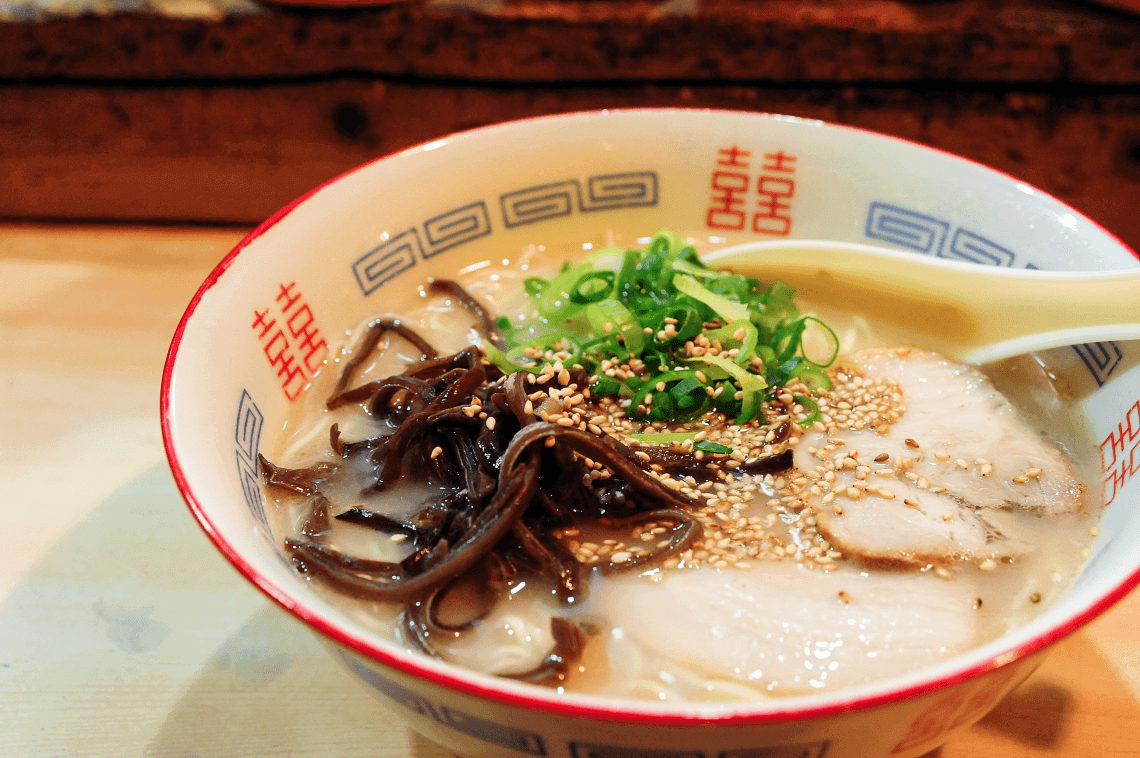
(381, 264)
(249, 422)
(387, 260)
(473, 726)
(973, 248)
(905, 228)
(593, 750)
(812, 750)
(590, 750)
(1101, 358)
(456, 227)
(540, 203)
(633, 190)
(247, 437)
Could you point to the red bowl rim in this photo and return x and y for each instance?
(539, 699)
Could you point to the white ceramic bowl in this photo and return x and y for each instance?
(362, 243)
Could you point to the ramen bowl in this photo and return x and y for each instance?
(270, 313)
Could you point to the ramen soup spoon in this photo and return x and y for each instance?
(969, 312)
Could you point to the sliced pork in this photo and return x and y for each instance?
(928, 482)
(783, 628)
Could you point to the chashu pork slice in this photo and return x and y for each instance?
(937, 486)
(786, 629)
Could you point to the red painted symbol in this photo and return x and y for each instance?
(295, 349)
(1120, 453)
(774, 189)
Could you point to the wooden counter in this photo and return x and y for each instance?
(124, 634)
(222, 111)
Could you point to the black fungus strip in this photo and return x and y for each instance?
(303, 481)
(378, 393)
(317, 523)
(683, 531)
(376, 331)
(569, 642)
(507, 482)
(454, 289)
(378, 521)
(482, 588)
(768, 464)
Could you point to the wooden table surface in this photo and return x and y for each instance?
(123, 632)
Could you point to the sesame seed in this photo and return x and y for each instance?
(436, 452)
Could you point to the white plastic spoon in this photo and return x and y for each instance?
(970, 312)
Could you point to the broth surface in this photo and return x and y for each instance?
(782, 625)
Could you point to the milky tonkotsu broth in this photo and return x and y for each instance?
(776, 627)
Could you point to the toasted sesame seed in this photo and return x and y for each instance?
(436, 452)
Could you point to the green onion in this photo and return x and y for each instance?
(712, 447)
(620, 321)
(746, 346)
(505, 364)
(722, 306)
(751, 385)
(811, 405)
(812, 376)
(534, 286)
(832, 338)
(649, 307)
(592, 287)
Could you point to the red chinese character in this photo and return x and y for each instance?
(287, 295)
(729, 188)
(312, 344)
(731, 157)
(778, 161)
(279, 343)
(260, 321)
(292, 377)
(772, 217)
(1116, 442)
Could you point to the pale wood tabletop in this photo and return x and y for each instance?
(124, 633)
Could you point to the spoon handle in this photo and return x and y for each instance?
(970, 312)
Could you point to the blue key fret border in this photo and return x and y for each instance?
(926, 234)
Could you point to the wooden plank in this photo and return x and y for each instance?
(237, 153)
(1041, 41)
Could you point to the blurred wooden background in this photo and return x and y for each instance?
(205, 111)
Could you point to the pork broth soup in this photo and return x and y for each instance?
(871, 518)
